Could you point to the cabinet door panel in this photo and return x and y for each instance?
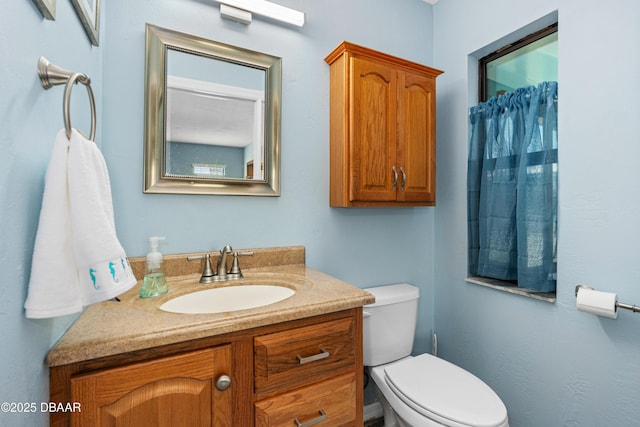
(169, 402)
(373, 130)
(173, 391)
(416, 133)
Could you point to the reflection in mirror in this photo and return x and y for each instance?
(219, 130)
(213, 122)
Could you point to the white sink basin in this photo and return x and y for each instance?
(230, 298)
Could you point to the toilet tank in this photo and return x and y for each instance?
(389, 324)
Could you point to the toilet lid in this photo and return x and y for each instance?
(445, 392)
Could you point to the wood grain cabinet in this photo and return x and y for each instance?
(302, 372)
(330, 403)
(383, 129)
(172, 391)
(320, 358)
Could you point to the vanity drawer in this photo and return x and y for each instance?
(328, 403)
(302, 355)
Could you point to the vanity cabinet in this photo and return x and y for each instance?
(383, 129)
(309, 370)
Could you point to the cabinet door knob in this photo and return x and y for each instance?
(223, 382)
(404, 177)
(395, 177)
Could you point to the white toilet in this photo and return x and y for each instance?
(424, 390)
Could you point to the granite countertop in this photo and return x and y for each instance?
(135, 323)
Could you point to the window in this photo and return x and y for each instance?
(529, 61)
(513, 168)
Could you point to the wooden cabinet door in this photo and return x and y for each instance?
(173, 391)
(416, 137)
(372, 131)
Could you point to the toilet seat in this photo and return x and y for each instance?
(445, 392)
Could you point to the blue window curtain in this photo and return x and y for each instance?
(512, 183)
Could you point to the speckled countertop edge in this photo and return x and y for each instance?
(111, 328)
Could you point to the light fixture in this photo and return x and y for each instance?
(235, 14)
(259, 7)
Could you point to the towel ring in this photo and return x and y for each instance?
(52, 75)
(66, 107)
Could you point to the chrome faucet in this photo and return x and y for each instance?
(221, 274)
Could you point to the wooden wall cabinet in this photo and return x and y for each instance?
(309, 370)
(383, 129)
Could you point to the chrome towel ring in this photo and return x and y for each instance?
(52, 75)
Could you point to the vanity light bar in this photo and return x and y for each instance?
(235, 14)
(266, 8)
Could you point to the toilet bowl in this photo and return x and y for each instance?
(424, 390)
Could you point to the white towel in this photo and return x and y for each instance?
(77, 259)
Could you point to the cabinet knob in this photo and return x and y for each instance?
(223, 382)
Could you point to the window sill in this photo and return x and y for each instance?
(512, 289)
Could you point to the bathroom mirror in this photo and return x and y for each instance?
(212, 117)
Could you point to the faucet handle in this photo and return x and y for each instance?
(235, 272)
(207, 273)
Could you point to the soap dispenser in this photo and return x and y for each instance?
(155, 282)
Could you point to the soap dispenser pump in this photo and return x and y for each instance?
(155, 282)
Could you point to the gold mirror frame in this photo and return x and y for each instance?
(156, 180)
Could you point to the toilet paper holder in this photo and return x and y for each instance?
(631, 307)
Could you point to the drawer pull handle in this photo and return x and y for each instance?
(321, 418)
(395, 177)
(313, 358)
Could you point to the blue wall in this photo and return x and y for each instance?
(552, 365)
(30, 118)
(362, 246)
